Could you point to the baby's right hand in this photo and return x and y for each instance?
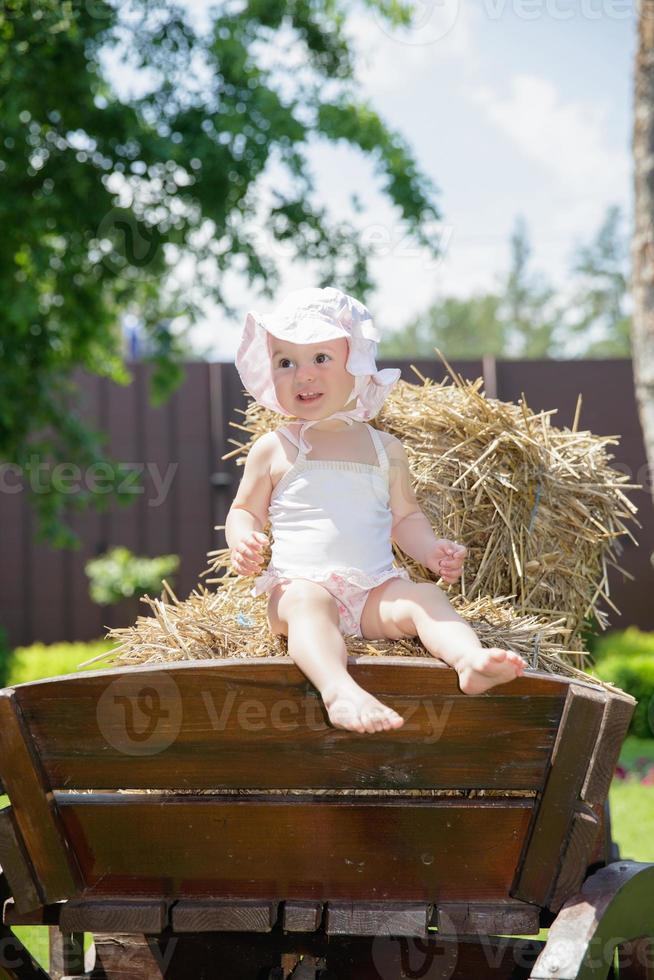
(247, 555)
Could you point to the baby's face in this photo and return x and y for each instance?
(299, 369)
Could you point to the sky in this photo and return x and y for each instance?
(514, 108)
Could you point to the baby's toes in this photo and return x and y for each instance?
(370, 721)
(392, 720)
(498, 655)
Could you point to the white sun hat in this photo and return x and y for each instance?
(309, 316)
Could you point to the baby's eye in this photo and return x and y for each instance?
(283, 361)
(322, 355)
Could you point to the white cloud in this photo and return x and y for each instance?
(391, 60)
(567, 139)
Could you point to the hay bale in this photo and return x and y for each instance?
(539, 509)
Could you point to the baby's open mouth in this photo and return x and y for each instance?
(310, 396)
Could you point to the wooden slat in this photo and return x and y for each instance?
(248, 955)
(66, 954)
(615, 723)
(16, 599)
(302, 916)
(586, 821)
(225, 916)
(160, 470)
(228, 955)
(33, 809)
(16, 962)
(553, 819)
(45, 563)
(477, 918)
(116, 916)
(235, 724)
(15, 864)
(396, 850)
(383, 919)
(192, 407)
(43, 915)
(88, 618)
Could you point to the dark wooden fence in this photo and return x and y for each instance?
(187, 489)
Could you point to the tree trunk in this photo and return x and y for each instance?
(643, 242)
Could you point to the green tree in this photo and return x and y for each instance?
(527, 309)
(465, 328)
(599, 318)
(100, 196)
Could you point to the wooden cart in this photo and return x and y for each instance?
(151, 806)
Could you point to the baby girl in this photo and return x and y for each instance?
(335, 503)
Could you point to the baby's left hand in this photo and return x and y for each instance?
(445, 558)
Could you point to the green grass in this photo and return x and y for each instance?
(632, 819)
(636, 748)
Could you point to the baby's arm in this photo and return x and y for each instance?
(248, 513)
(411, 529)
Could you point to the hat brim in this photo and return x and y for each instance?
(372, 386)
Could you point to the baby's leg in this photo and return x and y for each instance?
(400, 608)
(306, 613)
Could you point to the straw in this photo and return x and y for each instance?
(540, 510)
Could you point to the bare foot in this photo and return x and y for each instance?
(484, 668)
(350, 707)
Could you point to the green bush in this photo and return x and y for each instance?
(627, 643)
(40, 660)
(118, 574)
(634, 673)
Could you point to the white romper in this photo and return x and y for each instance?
(331, 523)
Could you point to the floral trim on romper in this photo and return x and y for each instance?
(348, 586)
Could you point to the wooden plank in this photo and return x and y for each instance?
(477, 918)
(392, 849)
(574, 865)
(615, 723)
(124, 524)
(192, 408)
(88, 617)
(382, 919)
(230, 955)
(225, 474)
(33, 809)
(248, 955)
(161, 469)
(43, 915)
(224, 916)
(16, 962)
(50, 613)
(238, 724)
(554, 816)
(116, 916)
(302, 916)
(16, 609)
(66, 953)
(586, 822)
(15, 864)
